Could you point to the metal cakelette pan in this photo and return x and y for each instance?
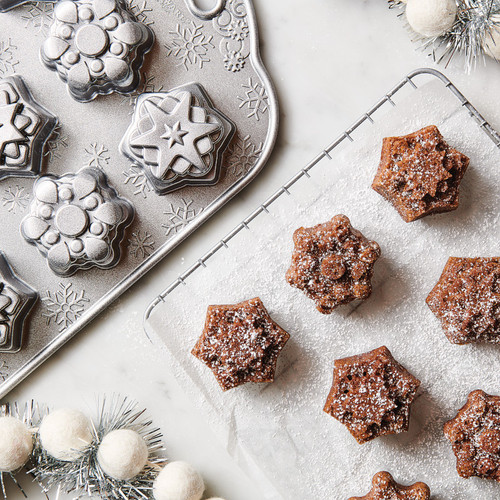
(216, 49)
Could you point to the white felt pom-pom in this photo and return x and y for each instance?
(431, 17)
(16, 444)
(215, 498)
(65, 434)
(491, 44)
(122, 454)
(178, 481)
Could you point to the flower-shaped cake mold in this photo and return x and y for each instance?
(178, 138)
(385, 488)
(240, 343)
(97, 47)
(16, 301)
(475, 436)
(332, 263)
(420, 174)
(77, 221)
(467, 300)
(371, 394)
(25, 127)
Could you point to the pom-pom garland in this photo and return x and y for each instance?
(178, 481)
(471, 28)
(116, 457)
(65, 434)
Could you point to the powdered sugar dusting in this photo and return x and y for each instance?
(303, 451)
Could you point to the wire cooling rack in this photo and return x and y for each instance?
(410, 80)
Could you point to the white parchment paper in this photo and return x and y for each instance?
(280, 428)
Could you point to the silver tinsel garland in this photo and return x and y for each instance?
(84, 476)
(472, 30)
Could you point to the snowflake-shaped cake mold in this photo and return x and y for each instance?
(77, 221)
(25, 127)
(97, 47)
(16, 301)
(178, 138)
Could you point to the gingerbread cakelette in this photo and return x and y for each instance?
(240, 343)
(420, 174)
(332, 263)
(371, 394)
(385, 488)
(475, 436)
(467, 300)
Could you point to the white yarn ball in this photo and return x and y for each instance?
(491, 44)
(122, 454)
(65, 434)
(431, 17)
(178, 481)
(16, 444)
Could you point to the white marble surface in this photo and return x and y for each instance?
(330, 60)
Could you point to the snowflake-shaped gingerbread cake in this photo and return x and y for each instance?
(16, 301)
(332, 263)
(178, 138)
(25, 127)
(77, 221)
(467, 300)
(475, 436)
(240, 343)
(97, 47)
(384, 487)
(420, 174)
(371, 394)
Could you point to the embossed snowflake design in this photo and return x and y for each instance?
(238, 30)
(234, 61)
(243, 155)
(8, 62)
(141, 244)
(38, 16)
(3, 371)
(180, 217)
(96, 155)
(147, 86)
(53, 146)
(190, 45)
(15, 199)
(256, 99)
(64, 306)
(138, 179)
(141, 11)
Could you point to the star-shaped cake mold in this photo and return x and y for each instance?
(475, 436)
(240, 343)
(332, 263)
(178, 138)
(384, 487)
(25, 127)
(466, 300)
(420, 174)
(96, 47)
(371, 394)
(77, 221)
(16, 301)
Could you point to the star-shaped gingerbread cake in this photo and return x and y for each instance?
(467, 300)
(371, 394)
(475, 436)
(332, 263)
(240, 343)
(385, 488)
(420, 174)
(16, 301)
